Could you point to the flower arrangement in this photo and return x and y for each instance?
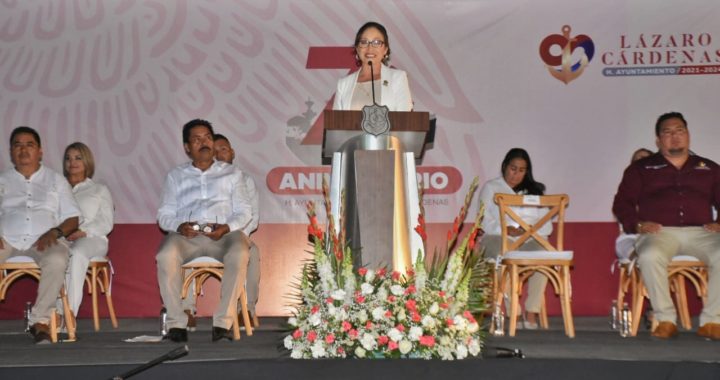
(377, 313)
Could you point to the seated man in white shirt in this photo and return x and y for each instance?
(37, 210)
(225, 153)
(204, 212)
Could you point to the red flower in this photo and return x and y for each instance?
(340, 350)
(427, 341)
(415, 316)
(395, 275)
(314, 309)
(411, 305)
(410, 272)
(468, 315)
(392, 345)
(473, 238)
(449, 236)
(410, 290)
(311, 336)
(360, 299)
(391, 298)
(444, 305)
(353, 334)
(441, 294)
(400, 327)
(382, 340)
(381, 272)
(346, 326)
(450, 322)
(297, 334)
(362, 271)
(421, 231)
(329, 339)
(388, 314)
(329, 300)
(368, 325)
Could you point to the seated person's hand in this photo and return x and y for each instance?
(48, 239)
(218, 231)
(515, 231)
(186, 229)
(648, 227)
(76, 235)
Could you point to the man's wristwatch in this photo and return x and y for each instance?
(59, 232)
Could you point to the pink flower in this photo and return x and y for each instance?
(468, 315)
(427, 341)
(441, 294)
(410, 272)
(368, 325)
(311, 336)
(314, 309)
(297, 334)
(353, 334)
(382, 340)
(450, 322)
(346, 326)
(381, 272)
(329, 338)
(395, 275)
(329, 300)
(400, 327)
(362, 271)
(411, 305)
(444, 305)
(360, 299)
(410, 290)
(388, 314)
(391, 298)
(415, 316)
(392, 345)
(340, 350)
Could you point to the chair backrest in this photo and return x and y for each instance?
(555, 205)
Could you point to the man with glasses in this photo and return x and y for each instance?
(204, 212)
(668, 199)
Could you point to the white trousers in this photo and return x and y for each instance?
(81, 251)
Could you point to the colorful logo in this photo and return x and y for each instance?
(562, 66)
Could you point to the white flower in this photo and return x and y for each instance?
(401, 315)
(434, 308)
(444, 341)
(428, 322)
(362, 316)
(395, 334)
(318, 349)
(474, 347)
(382, 293)
(397, 290)
(461, 351)
(445, 353)
(378, 313)
(288, 341)
(415, 333)
(473, 327)
(296, 353)
(460, 322)
(368, 342)
(314, 319)
(338, 294)
(405, 346)
(366, 288)
(359, 352)
(292, 321)
(370, 275)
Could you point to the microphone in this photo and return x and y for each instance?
(372, 81)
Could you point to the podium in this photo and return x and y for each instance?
(378, 176)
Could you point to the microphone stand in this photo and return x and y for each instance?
(172, 355)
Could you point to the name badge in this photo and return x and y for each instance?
(531, 200)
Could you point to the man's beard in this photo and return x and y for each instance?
(676, 151)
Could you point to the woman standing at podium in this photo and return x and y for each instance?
(354, 91)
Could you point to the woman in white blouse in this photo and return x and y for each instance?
(517, 178)
(96, 205)
(391, 85)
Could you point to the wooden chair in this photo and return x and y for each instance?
(99, 278)
(627, 283)
(19, 266)
(553, 262)
(680, 269)
(197, 271)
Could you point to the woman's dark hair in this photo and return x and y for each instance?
(383, 31)
(528, 184)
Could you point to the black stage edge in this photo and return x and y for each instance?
(596, 353)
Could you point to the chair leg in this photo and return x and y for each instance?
(514, 302)
(638, 300)
(53, 326)
(93, 282)
(681, 301)
(566, 306)
(236, 327)
(70, 322)
(622, 286)
(543, 314)
(108, 296)
(244, 310)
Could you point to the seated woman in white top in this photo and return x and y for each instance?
(96, 206)
(391, 85)
(625, 243)
(517, 178)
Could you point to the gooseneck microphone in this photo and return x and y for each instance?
(372, 81)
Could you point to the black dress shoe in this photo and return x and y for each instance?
(40, 333)
(221, 333)
(176, 335)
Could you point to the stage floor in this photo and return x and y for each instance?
(106, 351)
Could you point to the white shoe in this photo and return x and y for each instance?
(529, 325)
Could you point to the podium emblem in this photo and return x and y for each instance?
(375, 120)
